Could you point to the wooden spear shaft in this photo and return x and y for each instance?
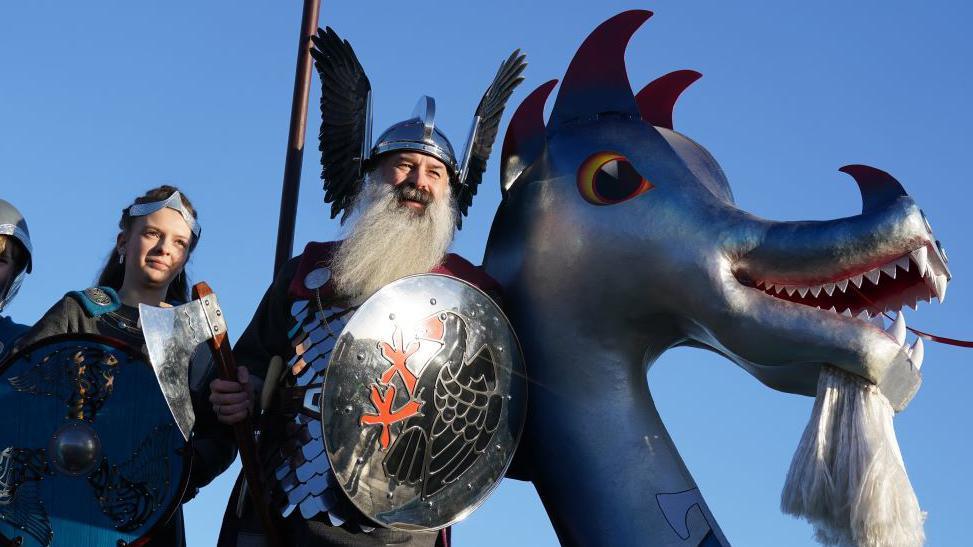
(295, 140)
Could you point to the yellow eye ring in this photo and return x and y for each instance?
(607, 178)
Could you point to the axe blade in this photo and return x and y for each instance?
(172, 336)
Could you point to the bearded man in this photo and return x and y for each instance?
(405, 196)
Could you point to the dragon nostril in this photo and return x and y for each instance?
(942, 250)
(744, 279)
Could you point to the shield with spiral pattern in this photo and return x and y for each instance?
(423, 402)
(89, 453)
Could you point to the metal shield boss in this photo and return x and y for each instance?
(89, 452)
(423, 402)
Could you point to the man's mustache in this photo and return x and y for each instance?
(409, 192)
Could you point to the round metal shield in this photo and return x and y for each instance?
(423, 402)
(89, 453)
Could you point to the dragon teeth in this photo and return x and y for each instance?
(940, 281)
(897, 330)
(847, 312)
(829, 288)
(921, 259)
(843, 285)
(889, 269)
(917, 352)
(873, 276)
(857, 280)
(903, 263)
(878, 321)
(815, 291)
(803, 291)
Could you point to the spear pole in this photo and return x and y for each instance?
(295, 139)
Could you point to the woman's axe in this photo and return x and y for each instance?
(172, 336)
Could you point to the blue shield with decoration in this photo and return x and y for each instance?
(89, 453)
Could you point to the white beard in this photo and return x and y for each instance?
(388, 240)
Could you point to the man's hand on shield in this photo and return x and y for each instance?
(232, 401)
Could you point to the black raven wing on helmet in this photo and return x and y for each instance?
(345, 121)
(486, 123)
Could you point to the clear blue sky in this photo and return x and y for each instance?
(101, 100)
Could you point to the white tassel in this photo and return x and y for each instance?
(847, 477)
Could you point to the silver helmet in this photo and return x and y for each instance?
(418, 133)
(13, 224)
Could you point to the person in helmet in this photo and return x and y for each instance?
(405, 195)
(15, 263)
(157, 235)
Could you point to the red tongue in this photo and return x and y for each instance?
(940, 339)
(917, 332)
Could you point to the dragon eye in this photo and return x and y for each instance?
(607, 178)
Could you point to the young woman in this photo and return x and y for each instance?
(15, 262)
(147, 266)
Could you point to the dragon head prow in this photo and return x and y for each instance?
(611, 214)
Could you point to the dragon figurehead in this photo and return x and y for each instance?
(617, 238)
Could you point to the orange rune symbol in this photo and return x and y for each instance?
(386, 416)
(397, 356)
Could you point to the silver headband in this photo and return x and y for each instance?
(173, 202)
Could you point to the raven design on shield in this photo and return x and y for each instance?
(458, 408)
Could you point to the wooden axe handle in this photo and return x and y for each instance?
(242, 431)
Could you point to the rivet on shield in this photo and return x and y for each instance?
(348, 409)
(432, 301)
(389, 495)
(361, 459)
(499, 447)
(442, 316)
(391, 317)
(361, 356)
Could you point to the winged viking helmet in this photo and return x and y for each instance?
(347, 151)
